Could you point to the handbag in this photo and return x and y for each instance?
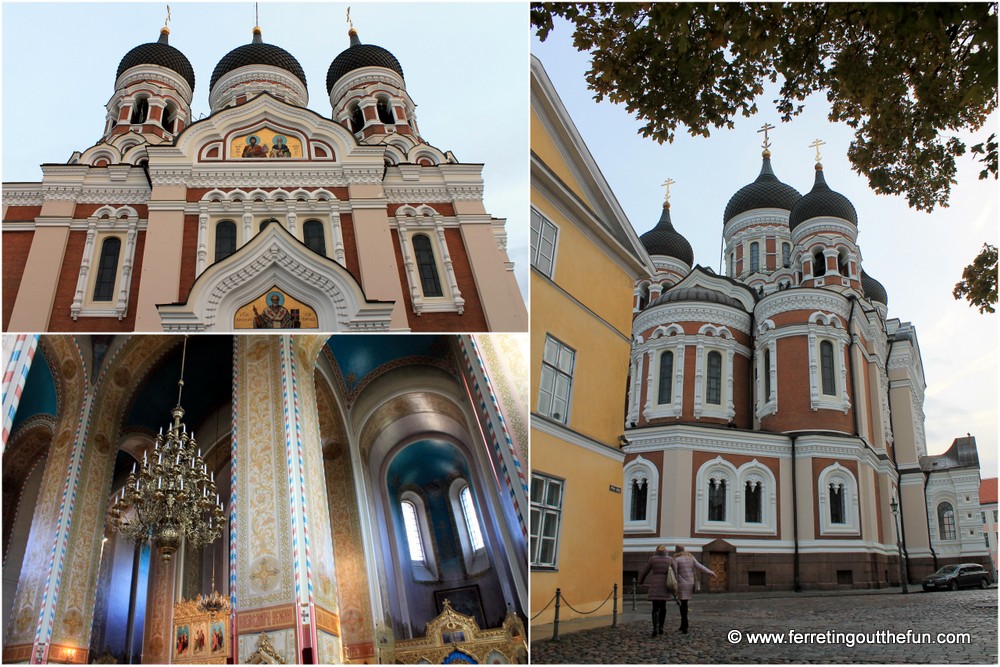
(671, 581)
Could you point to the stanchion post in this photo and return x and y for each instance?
(635, 586)
(614, 607)
(555, 622)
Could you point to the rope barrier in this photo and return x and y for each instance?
(587, 613)
(544, 608)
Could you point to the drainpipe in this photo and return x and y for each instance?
(797, 585)
(930, 537)
(850, 362)
(899, 478)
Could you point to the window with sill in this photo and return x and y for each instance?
(946, 521)
(546, 514)
(641, 483)
(837, 491)
(543, 243)
(468, 526)
(419, 540)
(556, 383)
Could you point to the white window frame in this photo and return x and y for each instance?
(756, 471)
(541, 231)
(476, 561)
(767, 340)
(827, 327)
(663, 339)
(106, 222)
(645, 472)
(834, 474)
(736, 479)
(544, 510)
(714, 339)
(425, 220)
(556, 371)
(937, 518)
(427, 569)
(717, 468)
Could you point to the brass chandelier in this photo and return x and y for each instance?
(173, 496)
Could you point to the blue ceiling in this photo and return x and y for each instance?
(39, 395)
(425, 462)
(357, 356)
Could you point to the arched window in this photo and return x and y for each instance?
(413, 538)
(666, 394)
(819, 264)
(827, 368)
(225, 239)
(471, 519)
(357, 118)
(107, 269)
(140, 111)
(753, 509)
(732, 263)
(169, 116)
(426, 266)
(384, 109)
(713, 393)
(838, 507)
(637, 512)
(314, 238)
(767, 374)
(754, 257)
(786, 255)
(716, 499)
(842, 265)
(946, 521)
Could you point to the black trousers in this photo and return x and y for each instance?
(684, 615)
(660, 607)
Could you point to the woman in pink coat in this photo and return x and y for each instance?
(686, 566)
(658, 566)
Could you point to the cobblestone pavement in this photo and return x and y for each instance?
(714, 619)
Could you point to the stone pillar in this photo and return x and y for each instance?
(161, 262)
(285, 578)
(376, 250)
(36, 298)
(159, 632)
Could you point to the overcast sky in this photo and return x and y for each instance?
(465, 65)
(918, 257)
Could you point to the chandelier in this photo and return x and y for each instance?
(173, 496)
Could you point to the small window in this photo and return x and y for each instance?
(169, 116)
(638, 510)
(384, 109)
(140, 111)
(556, 381)
(767, 374)
(946, 521)
(827, 368)
(713, 393)
(732, 263)
(426, 266)
(314, 238)
(107, 269)
(357, 119)
(838, 505)
(665, 394)
(716, 499)
(786, 255)
(225, 239)
(843, 267)
(754, 257)
(819, 264)
(543, 243)
(546, 513)
(753, 512)
(413, 540)
(471, 519)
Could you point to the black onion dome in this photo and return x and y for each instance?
(359, 55)
(873, 289)
(701, 294)
(257, 53)
(822, 201)
(766, 192)
(158, 53)
(663, 239)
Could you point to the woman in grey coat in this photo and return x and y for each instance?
(658, 567)
(686, 566)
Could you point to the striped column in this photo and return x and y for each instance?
(19, 355)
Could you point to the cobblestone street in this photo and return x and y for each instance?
(714, 619)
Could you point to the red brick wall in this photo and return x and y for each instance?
(350, 245)
(15, 256)
(444, 208)
(84, 211)
(23, 213)
(473, 319)
(189, 257)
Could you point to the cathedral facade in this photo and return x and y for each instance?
(372, 490)
(262, 215)
(774, 420)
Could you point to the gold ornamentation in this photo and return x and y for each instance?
(767, 142)
(73, 622)
(452, 631)
(263, 574)
(265, 654)
(816, 144)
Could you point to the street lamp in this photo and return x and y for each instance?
(899, 544)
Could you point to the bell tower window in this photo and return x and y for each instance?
(107, 269)
(140, 111)
(754, 257)
(786, 255)
(169, 116)
(384, 109)
(357, 119)
(819, 264)
(713, 394)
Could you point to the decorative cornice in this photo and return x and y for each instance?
(33, 197)
(802, 299)
(683, 312)
(268, 177)
(773, 218)
(824, 225)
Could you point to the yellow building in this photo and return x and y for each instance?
(585, 262)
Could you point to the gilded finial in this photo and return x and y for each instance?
(816, 144)
(767, 142)
(166, 29)
(666, 195)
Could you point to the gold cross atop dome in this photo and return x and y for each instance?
(816, 144)
(350, 23)
(666, 184)
(167, 20)
(765, 128)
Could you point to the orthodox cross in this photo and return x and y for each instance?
(165, 22)
(764, 129)
(816, 144)
(256, 14)
(666, 184)
(350, 23)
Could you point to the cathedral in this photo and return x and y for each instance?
(364, 496)
(264, 214)
(774, 420)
